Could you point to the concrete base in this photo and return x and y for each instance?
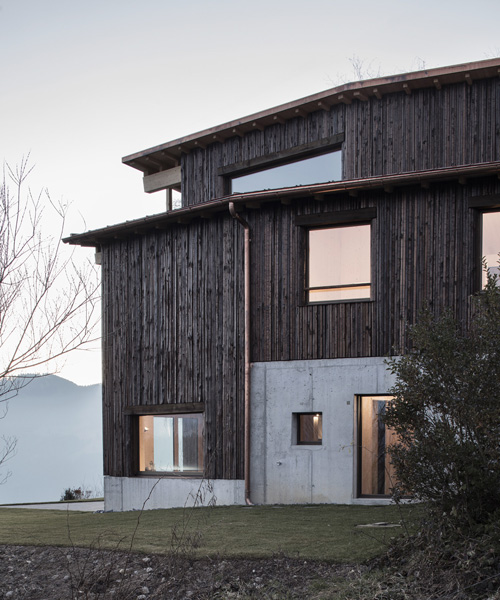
(283, 472)
(135, 493)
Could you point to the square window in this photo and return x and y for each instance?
(339, 263)
(490, 243)
(171, 443)
(310, 428)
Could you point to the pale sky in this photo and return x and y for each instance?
(86, 83)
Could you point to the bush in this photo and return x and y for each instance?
(79, 493)
(446, 413)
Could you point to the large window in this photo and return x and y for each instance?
(171, 443)
(490, 227)
(316, 169)
(376, 474)
(339, 263)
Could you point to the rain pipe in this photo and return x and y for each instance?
(246, 271)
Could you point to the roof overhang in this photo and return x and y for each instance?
(168, 155)
(387, 183)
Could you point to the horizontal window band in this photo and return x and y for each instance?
(278, 158)
(337, 218)
(335, 288)
(165, 409)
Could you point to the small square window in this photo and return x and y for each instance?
(339, 263)
(309, 428)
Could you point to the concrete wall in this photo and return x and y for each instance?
(283, 472)
(130, 493)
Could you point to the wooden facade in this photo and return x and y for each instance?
(173, 292)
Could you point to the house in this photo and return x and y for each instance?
(245, 331)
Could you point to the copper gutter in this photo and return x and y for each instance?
(246, 271)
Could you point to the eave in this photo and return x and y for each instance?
(387, 183)
(168, 155)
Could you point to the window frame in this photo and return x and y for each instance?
(481, 243)
(167, 410)
(338, 219)
(175, 440)
(481, 205)
(359, 444)
(280, 158)
(297, 428)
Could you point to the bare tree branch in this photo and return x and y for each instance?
(48, 303)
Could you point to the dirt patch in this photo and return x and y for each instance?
(51, 573)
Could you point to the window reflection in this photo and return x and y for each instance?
(170, 443)
(377, 474)
(339, 264)
(317, 169)
(491, 242)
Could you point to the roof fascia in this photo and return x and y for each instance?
(165, 155)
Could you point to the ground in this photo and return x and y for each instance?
(53, 573)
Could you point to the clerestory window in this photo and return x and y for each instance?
(316, 169)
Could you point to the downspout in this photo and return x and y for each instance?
(246, 271)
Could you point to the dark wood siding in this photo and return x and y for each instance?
(173, 299)
(172, 331)
(429, 129)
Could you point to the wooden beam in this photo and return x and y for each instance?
(286, 201)
(361, 96)
(163, 180)
(353, 193)
(343, 98)
(199, 144)
(377, 93)
(300, 112)
(238, 132)
(165, 409)
(324, 105)
(257, 125)
(407, 89)
(468, 78)
(436, 83)
(278, 119)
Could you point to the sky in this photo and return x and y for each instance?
(85, 83)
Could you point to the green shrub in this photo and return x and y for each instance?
(446, 413)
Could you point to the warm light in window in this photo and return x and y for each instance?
(339, 266)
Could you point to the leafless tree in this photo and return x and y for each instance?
(47, 301)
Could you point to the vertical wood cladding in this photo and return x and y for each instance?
(429, 129)
(173, 313)
(172, 331)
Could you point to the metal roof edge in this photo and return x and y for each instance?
(139, 226)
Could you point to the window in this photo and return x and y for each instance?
(339, 264)
(171, 443)
(316, 169)
(490, 227)
(375, 472)
(309, 428)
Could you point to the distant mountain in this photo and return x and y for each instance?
(58, 426)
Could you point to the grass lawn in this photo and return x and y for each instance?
(323, 532)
